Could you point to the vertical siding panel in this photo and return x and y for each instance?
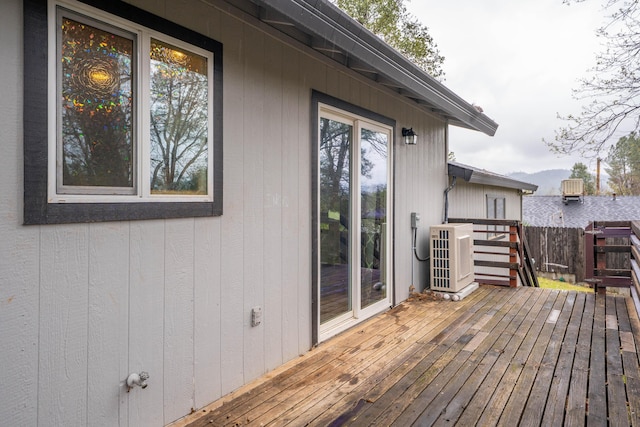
(232, 316)
(273, 195)
(365, 94)
(424, 154)
(424, 188)
(331, 82)
(402, 206)
(194, 15)
(291, 279)
(108, 322)
(356, 95)
(254, 221)
(146, 321)
(421, 181)
(345, 90)
(62, 384)
(207, 311)
(19, 245)
(178, 318)
(315, 76)
(19, 314)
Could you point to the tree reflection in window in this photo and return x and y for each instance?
(335, 185)
(179, 125)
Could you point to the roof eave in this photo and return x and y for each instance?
(330, 24)
(476, 176)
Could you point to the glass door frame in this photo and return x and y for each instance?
(359, 119)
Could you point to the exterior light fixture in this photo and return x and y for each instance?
(409, 136)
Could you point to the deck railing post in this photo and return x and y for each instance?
(601, 262)
(513, 256)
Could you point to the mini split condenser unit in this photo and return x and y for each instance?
(451, 260)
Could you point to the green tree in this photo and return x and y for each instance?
(579, 170)
(390, 20)
(624, 166)
(611, 92)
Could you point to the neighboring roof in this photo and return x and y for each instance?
(485, 177)
(324, 27)
(549, 211)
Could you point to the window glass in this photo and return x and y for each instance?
(491, 207)
(495, 210)
(500, 211)
(179, 120)
(96, 108)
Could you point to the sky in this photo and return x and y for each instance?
(519, 60)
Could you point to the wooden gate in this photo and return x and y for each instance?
(607, 254)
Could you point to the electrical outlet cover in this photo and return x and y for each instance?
(256, 316)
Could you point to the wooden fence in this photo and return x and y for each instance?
(557, 250)
(562, 251)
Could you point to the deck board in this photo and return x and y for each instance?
(501, 356)
(576, 402)
(480, 377)
(630, 364)
(489, 334)
(430, 371)
(553, 404)
(616, 394)
(539, 388)
(597, 394)
(475, 395)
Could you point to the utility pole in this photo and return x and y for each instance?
(598, 178)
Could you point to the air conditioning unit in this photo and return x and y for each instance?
(451, 260)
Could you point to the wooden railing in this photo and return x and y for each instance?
(603, 238)
(501, 253)
(635, 262)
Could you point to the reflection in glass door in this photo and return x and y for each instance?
(335, 216)
(353, 223)
(373, 218)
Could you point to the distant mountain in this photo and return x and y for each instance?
(549, 181)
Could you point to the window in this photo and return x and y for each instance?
(133, 125)
(496, 210)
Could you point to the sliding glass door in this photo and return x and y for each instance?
(353, 220)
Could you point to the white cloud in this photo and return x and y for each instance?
(518, 60)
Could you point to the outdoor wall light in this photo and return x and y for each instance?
(409, 136)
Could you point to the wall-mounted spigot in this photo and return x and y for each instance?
(137, 379)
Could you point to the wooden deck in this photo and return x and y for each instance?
(501, 356)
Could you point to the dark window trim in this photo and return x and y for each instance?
(37, 210)
(316, 99)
